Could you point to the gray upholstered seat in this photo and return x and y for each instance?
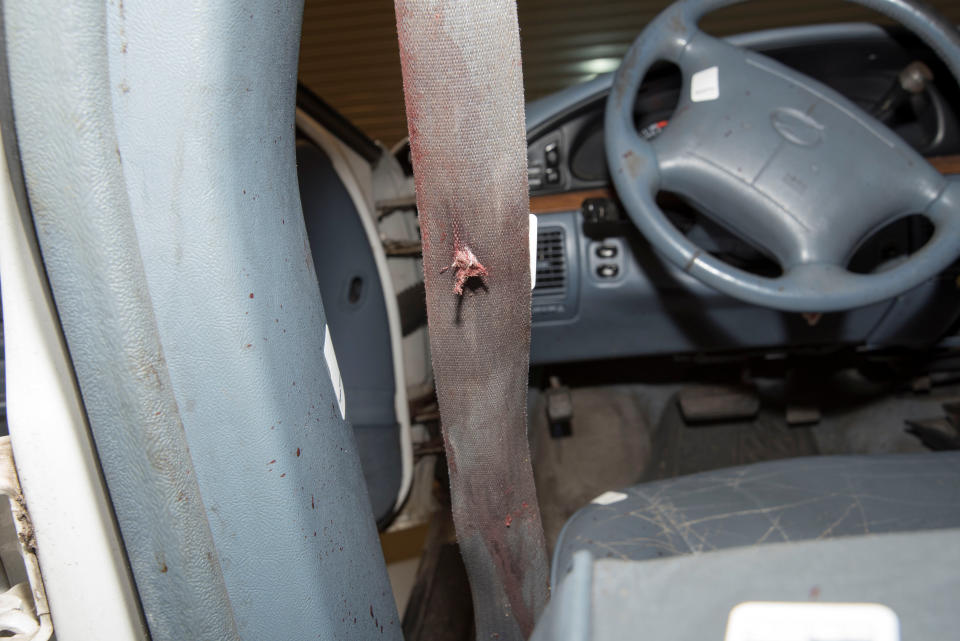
(789, 500)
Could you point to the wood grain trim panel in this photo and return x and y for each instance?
(568, 201)
(946, 165)
(572, 200)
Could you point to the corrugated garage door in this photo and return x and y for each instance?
(349, 53)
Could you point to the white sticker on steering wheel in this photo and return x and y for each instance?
(705, 85)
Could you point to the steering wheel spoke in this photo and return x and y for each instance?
(944, 210)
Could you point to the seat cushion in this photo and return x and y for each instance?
(789, 500)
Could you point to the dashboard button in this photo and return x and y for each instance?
(552, 175)
(552, 155)
(608, 271)
(607, 251)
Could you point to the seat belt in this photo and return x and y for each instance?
(464, 99)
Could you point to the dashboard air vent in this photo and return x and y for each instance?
(551, 261)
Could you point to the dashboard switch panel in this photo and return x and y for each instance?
(545, 162)
(600, 211)
(606, 261)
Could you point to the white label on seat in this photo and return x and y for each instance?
(331, 357)
(773, 621)
(608, 498)
(533, 251)
(705, 85)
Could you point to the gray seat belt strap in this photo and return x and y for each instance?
(464, 98)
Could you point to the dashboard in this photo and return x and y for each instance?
(602, 291)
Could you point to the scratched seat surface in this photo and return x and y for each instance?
(789, 500)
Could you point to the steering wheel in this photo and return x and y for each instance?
(780, 160)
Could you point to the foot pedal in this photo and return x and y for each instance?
(804, 389)
(802, 414)
(940, 433)
(559, 409)
(716, 403)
